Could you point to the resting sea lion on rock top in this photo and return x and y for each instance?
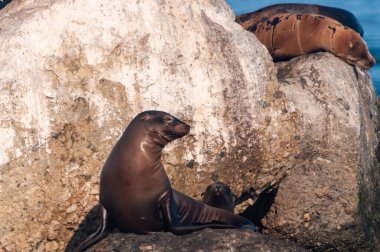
(289, 35)
(135, 192)
(344, 17)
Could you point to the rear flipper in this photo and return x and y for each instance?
(99, 234)
(219, 218)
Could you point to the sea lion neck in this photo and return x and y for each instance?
(151, 150)
(140, 143)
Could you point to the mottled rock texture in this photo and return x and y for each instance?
(327, 198)
(74, 73)
(205, 240)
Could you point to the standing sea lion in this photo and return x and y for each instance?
(290, 35)
(135, 192)
(344, 17)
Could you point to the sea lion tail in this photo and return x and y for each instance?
(99, 234)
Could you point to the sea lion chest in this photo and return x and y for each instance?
(131, 187)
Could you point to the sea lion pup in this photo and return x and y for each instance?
(344, 17)
(135, 192)
(289, 35)
(219, 195)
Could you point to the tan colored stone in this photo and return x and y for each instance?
(51, 246)
(71, 209)
(70, 82)
(337, 109)
(321, 192)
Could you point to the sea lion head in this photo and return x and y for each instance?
(160, 126)
(219, 195)
(353, 49)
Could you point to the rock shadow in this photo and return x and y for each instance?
(88, 226)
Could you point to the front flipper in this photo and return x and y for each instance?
(245, 195)
(261, 207)
(99, 234)
(169, 213)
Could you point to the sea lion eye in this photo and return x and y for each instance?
(168, 119)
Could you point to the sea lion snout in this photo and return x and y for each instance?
(182, 128)
(363, 59)
(367, 62)
(219, 190)
(175, 128)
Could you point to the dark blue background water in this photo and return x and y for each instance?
(368, 13)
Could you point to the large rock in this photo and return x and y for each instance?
(330, 195)
(74, 73)
(204, 240)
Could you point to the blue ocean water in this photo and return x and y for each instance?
(368, 13)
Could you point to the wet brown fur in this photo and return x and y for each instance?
(344, 17)
(290, 35)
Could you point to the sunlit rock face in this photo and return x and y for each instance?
(74, 74)
(329, 198)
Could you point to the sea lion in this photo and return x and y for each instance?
(344, 17)
(220, 195)
(290, 35)
(135, 192)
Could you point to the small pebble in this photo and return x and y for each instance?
(250, 201)
(146, 247)
(306, 217)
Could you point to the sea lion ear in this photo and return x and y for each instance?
(228, 189)
(145, 117)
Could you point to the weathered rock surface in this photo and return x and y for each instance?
(322, 202)
(74, 73)
(205, 240)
